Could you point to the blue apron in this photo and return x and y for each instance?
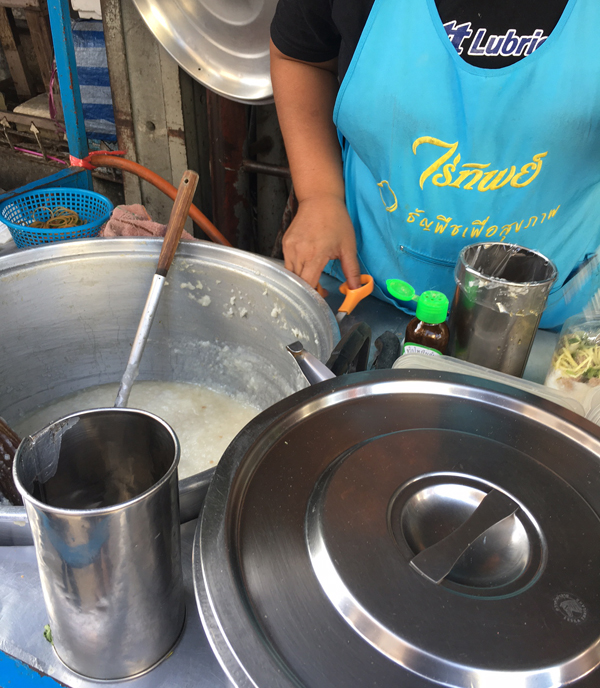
(439, 154)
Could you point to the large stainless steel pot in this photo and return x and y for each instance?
(405, 528)
(69, 312)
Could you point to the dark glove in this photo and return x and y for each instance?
(388, 350)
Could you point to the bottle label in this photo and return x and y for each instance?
(419, 349)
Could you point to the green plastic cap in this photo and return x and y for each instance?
(432, 307)
(400, 290)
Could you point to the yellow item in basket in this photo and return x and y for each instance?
(60, 218)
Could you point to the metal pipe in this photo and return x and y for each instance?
(266, 168)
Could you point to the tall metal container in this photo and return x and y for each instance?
(100, 489)
(501, 293)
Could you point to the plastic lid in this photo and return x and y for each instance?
(400, 289)
(432, 307)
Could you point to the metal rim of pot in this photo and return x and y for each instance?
(269, 633)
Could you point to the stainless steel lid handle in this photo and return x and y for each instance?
(314, 371)
(436, 562)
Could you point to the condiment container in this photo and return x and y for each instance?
(575, 366)
(501, 293)
(427, 333)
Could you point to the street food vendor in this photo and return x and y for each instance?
(415, 128)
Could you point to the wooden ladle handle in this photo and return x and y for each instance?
(179, 213)
(9, 441)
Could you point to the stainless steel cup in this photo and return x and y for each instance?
(501, 292)
(100, 488)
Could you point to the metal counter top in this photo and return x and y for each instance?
(23, 617)
(22, 610)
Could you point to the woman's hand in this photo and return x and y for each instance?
(305, 96)
(320, 232)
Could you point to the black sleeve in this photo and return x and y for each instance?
(304, 30)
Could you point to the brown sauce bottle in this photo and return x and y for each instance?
(428, 333)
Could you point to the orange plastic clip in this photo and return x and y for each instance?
(354, 296)
(87, 163)
(79, 162)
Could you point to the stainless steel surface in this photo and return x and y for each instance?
(100, 489)
(501, 292)
(440, 559)
(223, 44)
(139, 341)
(302, 558)
(496, 557)
(313, 370)
(69, 313)
(192, 664)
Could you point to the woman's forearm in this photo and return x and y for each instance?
(322, 230)
(305, 96)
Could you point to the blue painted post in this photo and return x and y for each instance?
(64, 52)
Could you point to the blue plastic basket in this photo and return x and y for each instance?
(20, 211)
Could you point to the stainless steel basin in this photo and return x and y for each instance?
(69, 313)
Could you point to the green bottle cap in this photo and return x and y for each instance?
(400, 290)
(432, 307)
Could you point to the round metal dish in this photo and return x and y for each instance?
(405, 528)
(223, 44)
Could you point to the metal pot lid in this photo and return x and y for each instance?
(405, 528)
(223, 44)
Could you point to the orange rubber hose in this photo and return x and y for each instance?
(162, 185)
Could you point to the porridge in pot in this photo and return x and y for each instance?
(204, 420)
